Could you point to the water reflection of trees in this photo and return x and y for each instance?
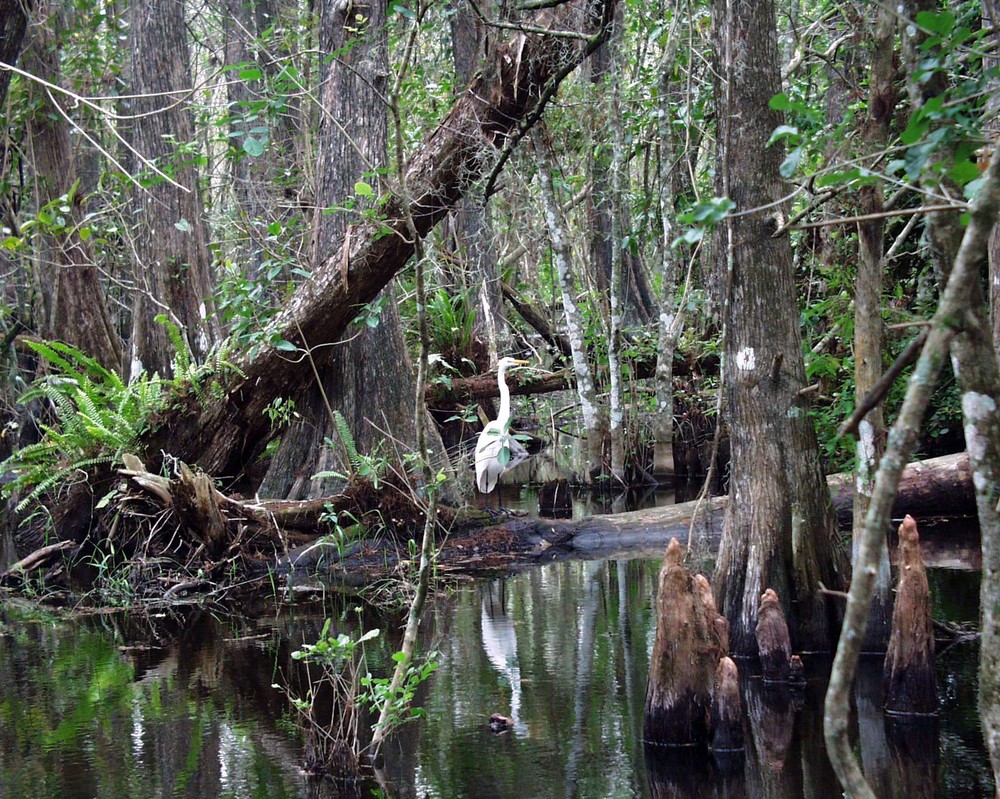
(184, 705)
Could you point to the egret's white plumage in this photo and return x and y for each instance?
(496, 436)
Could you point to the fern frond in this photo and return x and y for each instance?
(347, 439)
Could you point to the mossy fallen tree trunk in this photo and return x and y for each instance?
(297, 537)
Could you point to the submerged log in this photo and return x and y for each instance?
(686, 652)
(931, 487)
(908, 674)
(773, 640)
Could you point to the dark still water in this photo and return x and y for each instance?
(183, 706)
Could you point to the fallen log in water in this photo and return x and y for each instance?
(476, 542)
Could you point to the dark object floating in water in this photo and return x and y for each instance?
(500, 723)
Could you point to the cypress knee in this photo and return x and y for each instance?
(685, 655)
(773, 641)
(908, 674)
(727, 710)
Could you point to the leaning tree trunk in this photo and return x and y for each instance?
(75, 310)
(975, 365)
(779, 527)
(173, 263)
(351, 376)
(503, 101)
(991, 18)
(958, 301)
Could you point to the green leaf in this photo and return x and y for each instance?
(780, 102)
(971, 188)
(362, 189)
(791, 163)
(503, 456)
(183, 225)
(781, 132)
(285, 346)
(833, 178)
(251, 73)
(274, 228)
(963, 172)
(253, 147)
(942, 22)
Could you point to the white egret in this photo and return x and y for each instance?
(496, 449)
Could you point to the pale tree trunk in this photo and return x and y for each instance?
(779, 529)
(974, 363)
(991, 18)
(868, 335)
(619, 187)
(174, 266)
(961, 299)
(473, 227)
(75, 308)
(604, 211)
(561, 255)
(367, 377)
(671, 319)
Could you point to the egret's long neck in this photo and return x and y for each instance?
(504, 413)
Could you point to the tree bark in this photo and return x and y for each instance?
(259, 183)
(991, 18)
(910, 683)
(474, 233)
(174, 267)
(593, 418)
(955, 304)
(868, 334)
(505, 96)
(75, 311)
(779, 530)
(670, 323)
(14, 16)
(975, 365)
(351, 374)
(686, 654)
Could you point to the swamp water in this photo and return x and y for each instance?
(182, 704)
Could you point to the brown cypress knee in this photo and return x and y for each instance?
(773, 641)
(685, 655)
(727, 709)
(908, 674)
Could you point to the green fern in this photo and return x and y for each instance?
(96, 418)
(371, 467)
(347, 439)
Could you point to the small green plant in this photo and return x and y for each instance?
(97, 417)
(370, 467)
(343, 670)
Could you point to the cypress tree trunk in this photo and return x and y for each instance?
(779, 529)
(74, 300)
(174, 274)
(868, 334)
